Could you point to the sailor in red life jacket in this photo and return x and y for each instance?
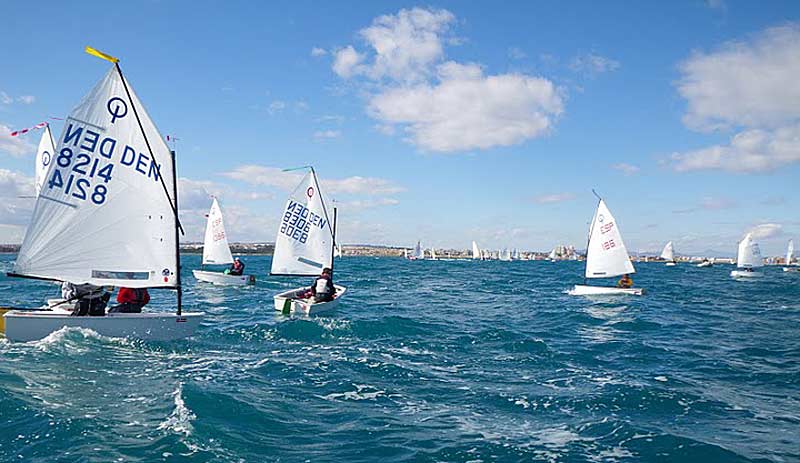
(237, 268)
(323, 290)
(130, 300)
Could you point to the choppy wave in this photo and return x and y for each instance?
(424, 361)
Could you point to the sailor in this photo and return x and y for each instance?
(323, 290)
(130, 300)
(237, 268)
(625, 282)
(89, 299)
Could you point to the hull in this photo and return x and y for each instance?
(791, 269)
(705, 264)
(671, 264)
(585, 290)
(287, 302)
(219, 278)
(745, 275)
(32, 325)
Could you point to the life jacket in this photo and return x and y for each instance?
(138, 296)
(322, 287)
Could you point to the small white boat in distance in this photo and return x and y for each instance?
(476, 252)
(748, 259)
(606, 256)
(418, 254)
(217, 251)
(304, 246)
(99, 220)
(706, 263)
(789, 255)
(668, 254)
(289, 302)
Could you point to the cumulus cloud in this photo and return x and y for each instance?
(317, 51)
(592, 64)
(625, 168)
(748, 86)
(766, 230)
(15, 146)
(744, 83)
(554, 198)
(441, 105)
(287, 181)
(754, 150)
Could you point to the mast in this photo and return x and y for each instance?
(589, 238)
(333, 244)
(177, 235)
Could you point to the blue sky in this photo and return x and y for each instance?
(447, 121)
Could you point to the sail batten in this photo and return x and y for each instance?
(304, 244)
(102, 216)
(606, 255)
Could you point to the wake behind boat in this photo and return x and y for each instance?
(606, 256)
(217, 251)
(304, 247)
(101, 220)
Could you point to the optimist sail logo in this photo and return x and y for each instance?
(117, 108)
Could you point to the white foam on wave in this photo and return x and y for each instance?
(180, 420)
(359, 394)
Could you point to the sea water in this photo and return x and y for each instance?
(424, 361)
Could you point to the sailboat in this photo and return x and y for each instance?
(304, 246)
(337, 252)
(419, 253)
(606, 256)
(217, 251)
(789, 255)
(107, 214)
(747, 259)
(44, 156)
(706, 263)
(552, 256)
(668, 254)
(433, 255)
(476, 252)
(504, 255)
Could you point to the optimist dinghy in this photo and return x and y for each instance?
(668, 254)
(606, 256)
(304, 246)
(106, 215)
(747, 259)
(217, 251)
(789, 255)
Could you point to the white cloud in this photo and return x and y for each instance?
(554, 198)
(5, 98)
(753, 150)
(441, 105)
(327, 134)
(467, 110)
(625, 168)
(346, 62)
(516, 53)
(766, 230)
(287, 181)
(714, 204)
(15, 146)
(317, 51)
(368, 203)
(26, 99)
(593, 64)
(276, 107)
(16, 199)
(744, 83)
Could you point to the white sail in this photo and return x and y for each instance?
(216, 249)
(749, 255)
(552, 255)
(337, 252)
(304, 245)
(606, 256)
(476, 252)
(419, 253)
(103, 215)
(44, 156)
(504, 255)
(433, 254)
(668, 253)
(790, 252)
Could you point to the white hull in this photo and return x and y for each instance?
(586, 290)
(744, 274)
(791, 269)
(31, 326)
(287, 302)
(219, 278)
(705, 264)
(671, 264)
